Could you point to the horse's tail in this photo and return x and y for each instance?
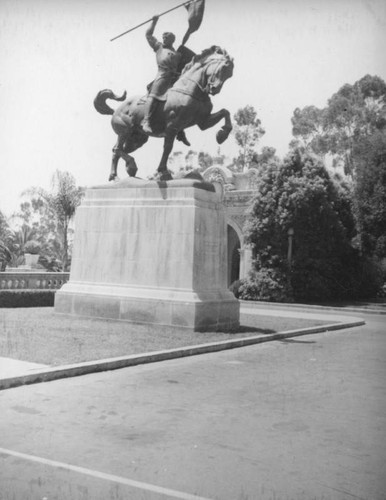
(100, 101)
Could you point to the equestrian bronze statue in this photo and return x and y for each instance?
(187, 103)
(178, 98)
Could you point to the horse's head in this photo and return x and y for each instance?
(210, 69)
(219, 67)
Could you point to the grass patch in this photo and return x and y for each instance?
(40, 335)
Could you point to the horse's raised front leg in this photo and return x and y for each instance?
(163, 171)
(213, 119)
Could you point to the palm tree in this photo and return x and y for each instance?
(60, 204)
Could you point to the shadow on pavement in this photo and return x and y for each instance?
(292, 341)
(253, 329)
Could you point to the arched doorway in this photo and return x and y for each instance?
(233, 246)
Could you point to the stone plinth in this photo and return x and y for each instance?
(151, 252)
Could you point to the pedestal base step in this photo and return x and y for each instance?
(208, 313)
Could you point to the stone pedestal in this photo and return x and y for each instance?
(151, 252)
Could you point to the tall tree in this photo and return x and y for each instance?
(307, 128)
(247, 132)
(351, 116)
(56, 208)
(352, 129)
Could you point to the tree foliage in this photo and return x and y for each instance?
(49, 213)
(247, 132)
(205, 160)
(370, 195)
(352, 128)
(351, 116)
(307, 128)
(266, 156)
(302, 196)
(14, 242)
(5, 234)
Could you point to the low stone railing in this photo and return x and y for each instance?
(32, 279)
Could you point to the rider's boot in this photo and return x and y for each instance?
(182, 137)
(150, 105)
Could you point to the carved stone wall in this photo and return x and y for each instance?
(239, 189)
(32, 280)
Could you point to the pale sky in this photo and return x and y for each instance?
(56, 55)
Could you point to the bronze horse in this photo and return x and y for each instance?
(187, 104)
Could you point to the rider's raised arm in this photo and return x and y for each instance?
(153, 42)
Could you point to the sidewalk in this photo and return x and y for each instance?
(14, 373)
(14, 368)
(364, 307)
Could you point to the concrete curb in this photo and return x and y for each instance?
(79, 369)
(342, 310)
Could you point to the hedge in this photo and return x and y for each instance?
(27, 298)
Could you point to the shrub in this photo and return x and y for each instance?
(369, 278)
(32, 247)
(27, 298)
(270, 285)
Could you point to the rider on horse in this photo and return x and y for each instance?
(168, 60)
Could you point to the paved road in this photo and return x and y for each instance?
(299, 419)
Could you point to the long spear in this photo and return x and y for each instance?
(148, 21)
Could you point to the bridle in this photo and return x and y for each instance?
(203, 90)
(214, 73)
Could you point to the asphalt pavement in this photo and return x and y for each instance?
(299, 418)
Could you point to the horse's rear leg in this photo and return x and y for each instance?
(163, 171)
(117, 149)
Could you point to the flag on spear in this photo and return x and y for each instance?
(195, 10)
(195, 14)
